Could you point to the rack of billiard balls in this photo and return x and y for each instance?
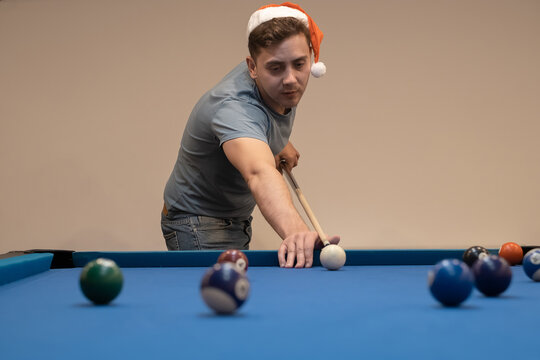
(451, 281)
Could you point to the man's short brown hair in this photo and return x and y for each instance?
(273, 32)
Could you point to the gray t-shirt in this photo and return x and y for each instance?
(203, 181)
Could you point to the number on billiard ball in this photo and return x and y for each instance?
(450, 282)
(224, 288)
(234, 256)
(101, 281)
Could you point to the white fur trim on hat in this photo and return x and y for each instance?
(269, 13)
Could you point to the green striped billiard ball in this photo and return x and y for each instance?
(101, 281)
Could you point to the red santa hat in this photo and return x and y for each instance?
(287, 9)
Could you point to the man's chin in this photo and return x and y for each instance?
(290, 103)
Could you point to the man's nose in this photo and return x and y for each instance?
(289, 76)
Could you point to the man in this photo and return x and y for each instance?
(236, 137)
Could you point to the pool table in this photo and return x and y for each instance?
(378, 306)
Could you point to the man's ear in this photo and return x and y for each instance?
(252, 67)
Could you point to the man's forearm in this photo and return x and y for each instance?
(274, 200)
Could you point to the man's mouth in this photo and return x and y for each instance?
(289, 92)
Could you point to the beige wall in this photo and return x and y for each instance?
(423, 133)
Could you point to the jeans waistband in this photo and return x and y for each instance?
(182, 218)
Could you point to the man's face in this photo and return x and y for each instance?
(281, 72)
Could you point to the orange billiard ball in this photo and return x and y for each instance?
(511, 252)
(235, 256)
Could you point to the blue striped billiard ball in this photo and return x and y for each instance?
(492, 275)
(450, 282)
(531, 264)
(224, 288)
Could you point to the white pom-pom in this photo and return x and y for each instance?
(318, 69)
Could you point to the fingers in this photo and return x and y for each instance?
(278, 163)
(293, 155)
(287, 163)
(287, 253)
(281, 254)
(308, 250)
(299, 248)
(300, 256)
(334, 239)
(282, 161)
(293, 162)
(289, 155)
(291, 254)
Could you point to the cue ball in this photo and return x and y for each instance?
(234, 256)
(474, 253)
(531, 264)
(492, 275)
(333, 257)
(101, 281)
(511, 252)
(224, 288)
(450, 282)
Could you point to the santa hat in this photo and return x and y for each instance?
(287, 9)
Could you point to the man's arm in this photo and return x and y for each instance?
(255, 161)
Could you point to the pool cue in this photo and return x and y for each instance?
(305, 204)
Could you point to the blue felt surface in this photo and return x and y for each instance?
(359, 312)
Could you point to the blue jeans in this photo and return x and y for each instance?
(192, 232)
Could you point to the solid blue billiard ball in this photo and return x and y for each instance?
(224, 288)
(492, 275)
(450, 282)
(531, 264)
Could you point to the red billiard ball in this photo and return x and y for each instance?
(235, 256)
(511, 252)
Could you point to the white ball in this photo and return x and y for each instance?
(333, 257)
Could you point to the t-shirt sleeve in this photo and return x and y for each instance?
(236, 119)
